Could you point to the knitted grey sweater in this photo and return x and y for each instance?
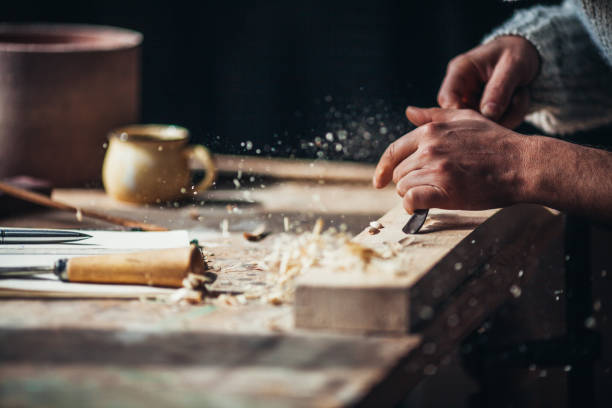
(573, 90)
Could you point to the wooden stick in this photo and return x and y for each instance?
(297, 169)
(48, 202)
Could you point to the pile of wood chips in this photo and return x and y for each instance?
(294, 255)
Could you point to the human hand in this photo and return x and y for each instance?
(455, 159)
(492, 79)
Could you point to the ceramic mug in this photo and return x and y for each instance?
(150, 164)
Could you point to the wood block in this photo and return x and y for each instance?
(450, 250)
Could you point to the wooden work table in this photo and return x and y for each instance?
(142, 353)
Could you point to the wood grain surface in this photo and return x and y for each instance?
(446, 254)
(143, 353)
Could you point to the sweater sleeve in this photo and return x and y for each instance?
(573, 90)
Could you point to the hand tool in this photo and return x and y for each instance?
(415, 222)
(39, 236)
(79, 212)
(166, 267)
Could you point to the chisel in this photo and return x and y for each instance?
(415, 222)
(166, 267)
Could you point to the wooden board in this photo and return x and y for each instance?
(448, 252)
(150, 354)
(296, 169)
(129, 353)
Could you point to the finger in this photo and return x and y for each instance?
(517, 110)
(414, 162)
(420, 116)
(450, 98)
(393, 155)
(415, 178)
(499, 90)
(462, 80)
(423, 197)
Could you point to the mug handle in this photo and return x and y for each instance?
(202, 155)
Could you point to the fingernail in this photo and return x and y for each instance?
(490, 110)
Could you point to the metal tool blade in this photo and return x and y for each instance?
(415, 222)
(58, 268)
(17, 271)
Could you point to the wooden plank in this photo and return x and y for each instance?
(296, 169)
(451, 248)
(537, 249)
(181, 356)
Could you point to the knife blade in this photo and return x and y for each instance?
(415, 222)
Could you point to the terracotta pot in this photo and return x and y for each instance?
(62, 88)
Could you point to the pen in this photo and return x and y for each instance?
(39, 236)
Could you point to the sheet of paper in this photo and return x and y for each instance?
(101, 242)
(50, 286)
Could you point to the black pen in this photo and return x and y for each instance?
(39, 236)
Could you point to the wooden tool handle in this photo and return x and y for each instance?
(166, 267)
(48, 202)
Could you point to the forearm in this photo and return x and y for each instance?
(568, 177)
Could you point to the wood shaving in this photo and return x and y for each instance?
(224, 226)
(294, 255)
(257, 234)
(376, 224)
(186, 295)
(229, 300)
(195, 281)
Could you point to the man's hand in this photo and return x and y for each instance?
(455, 159)
(492, 79)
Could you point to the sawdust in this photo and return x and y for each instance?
(332, 251)
(294, 255)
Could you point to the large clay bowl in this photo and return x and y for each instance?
(62, 88)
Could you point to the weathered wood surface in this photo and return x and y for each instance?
(130, 353)
(144, 354)
(451, 247)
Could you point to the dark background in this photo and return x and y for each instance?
(282, 74)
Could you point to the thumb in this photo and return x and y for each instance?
(421, 116)
(499, 90)
(423, 197)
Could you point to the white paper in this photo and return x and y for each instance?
(50, 286)
(101, 242)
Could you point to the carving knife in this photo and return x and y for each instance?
(165, 267)
(415, 222)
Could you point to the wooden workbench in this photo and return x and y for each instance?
(142, 353)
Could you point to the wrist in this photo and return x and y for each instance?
(531, 174)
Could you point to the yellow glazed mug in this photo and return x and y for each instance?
(151, 164)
